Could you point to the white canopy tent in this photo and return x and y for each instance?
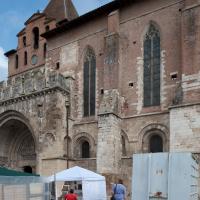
(93, 185)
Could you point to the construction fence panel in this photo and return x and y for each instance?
(24, 188)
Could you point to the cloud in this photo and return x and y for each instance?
(3, 65)
(3, 59)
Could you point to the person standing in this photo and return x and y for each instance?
(119, 190)
(71, 195)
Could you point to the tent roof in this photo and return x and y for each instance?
(8, 172)
(76, 174)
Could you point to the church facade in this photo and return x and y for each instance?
(92, 90)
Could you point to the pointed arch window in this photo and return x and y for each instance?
(85, 149)
(152, 67)
(89, 85)
(155, 144)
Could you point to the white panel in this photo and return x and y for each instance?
(94, 190)
(158, 175)
(15, 192)
(36, 188)
(140, 177)
(164, 176)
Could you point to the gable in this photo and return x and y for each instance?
(34, 17)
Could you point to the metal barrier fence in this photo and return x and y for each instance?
(24, 188)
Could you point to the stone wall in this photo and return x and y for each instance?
(185, 128)
(36, 100)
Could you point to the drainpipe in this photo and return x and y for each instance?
(65, 8)
(67, 130)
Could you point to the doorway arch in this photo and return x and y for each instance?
(154, 138)
(17, 142)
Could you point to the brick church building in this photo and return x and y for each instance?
(92, 90)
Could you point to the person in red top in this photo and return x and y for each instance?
(71, 195)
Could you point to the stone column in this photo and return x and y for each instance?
(109, 150)
(39, 163)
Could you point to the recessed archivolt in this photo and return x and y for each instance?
(19, 138)
(22, 145)
(150, 130)
(126, 146)
(78, 139)
(83, 135)
(14, 115)
(149, 127)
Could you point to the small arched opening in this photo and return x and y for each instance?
(85, 149)
(84, 146)
(154, 139)
(24, 41)
(36, 36)
(155, 144)
(28, 169)
(25, 58)
(16, 62)
(45, 50)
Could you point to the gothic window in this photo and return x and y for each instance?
(25, 58)
(155, 144)
(36, 38)
(152, 67)
(16, 62)
(85, 149)
(89, 86)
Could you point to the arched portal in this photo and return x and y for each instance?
(17, 145)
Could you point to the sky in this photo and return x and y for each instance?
(15, 12)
